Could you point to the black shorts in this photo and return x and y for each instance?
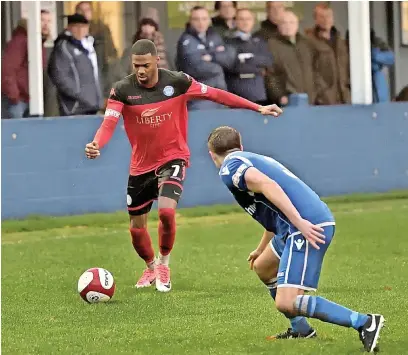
(166, 181)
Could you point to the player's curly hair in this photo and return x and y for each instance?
(224, 140)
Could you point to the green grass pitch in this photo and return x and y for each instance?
(217, 305)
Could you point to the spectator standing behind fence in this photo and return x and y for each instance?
(293, 68)
(73, 69)
(202, 54)
(246, 76)
(148, 29)
(269, 27)
(106, 51)
(381, 56)
(333, 61)
(224, 22)
(14, 65)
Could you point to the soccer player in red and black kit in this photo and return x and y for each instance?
(153, 103)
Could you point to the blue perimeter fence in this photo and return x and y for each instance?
(336, 150)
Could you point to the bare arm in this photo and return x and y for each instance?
(265, 240)
(201, 91)
(258, 182)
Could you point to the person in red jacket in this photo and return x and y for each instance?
(153, 103)
(14, 65)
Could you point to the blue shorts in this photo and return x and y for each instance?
(300, 263)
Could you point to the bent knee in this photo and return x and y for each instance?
(285, 306)
(167, 216)
(264, 272)
(259, 269)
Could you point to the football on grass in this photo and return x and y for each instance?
(96, 285)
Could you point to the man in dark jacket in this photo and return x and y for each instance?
(293, 69)
(246, 77)
(333, 60)
(105, 49)
(201, 53)
(269, 27)
(14, 65)
(224, 22)
(73, 69)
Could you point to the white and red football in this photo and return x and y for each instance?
(96, 285)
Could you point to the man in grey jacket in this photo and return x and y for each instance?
(73, 69)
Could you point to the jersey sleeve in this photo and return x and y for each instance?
(197, 90)
(233, 173)
(111, 117)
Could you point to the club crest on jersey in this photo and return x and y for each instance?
(168, 90)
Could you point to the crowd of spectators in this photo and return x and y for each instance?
(269, 65)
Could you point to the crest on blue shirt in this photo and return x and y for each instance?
(168, 90)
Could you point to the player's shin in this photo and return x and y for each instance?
(298, 324)
(142, 244)
(167, 233)
(327, 311)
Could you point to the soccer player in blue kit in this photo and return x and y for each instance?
(299, 228)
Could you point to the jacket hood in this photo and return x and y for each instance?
(191, 31)
(281, 38)
(334, 32)
(21, 27)
(67, 36)
(219, 21)
(268, 25)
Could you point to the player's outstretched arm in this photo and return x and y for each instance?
(201, 91)
(258, 182)
(231, 100)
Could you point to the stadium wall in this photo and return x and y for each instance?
(336, 150)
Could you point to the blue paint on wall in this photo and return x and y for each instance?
(336, 150)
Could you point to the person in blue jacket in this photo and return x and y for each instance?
(201, 53)
(381, 56)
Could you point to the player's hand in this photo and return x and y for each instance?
(270, 110)
(92, 150)
(311, 232)
(253, 256)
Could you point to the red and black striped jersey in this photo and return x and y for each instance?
(155, 119)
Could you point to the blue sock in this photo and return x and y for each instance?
(330, 312)
(298, 324)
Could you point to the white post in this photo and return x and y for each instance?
(35, 65)
(7, 19)
(360, 52)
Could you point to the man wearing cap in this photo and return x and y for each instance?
(73, 68)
